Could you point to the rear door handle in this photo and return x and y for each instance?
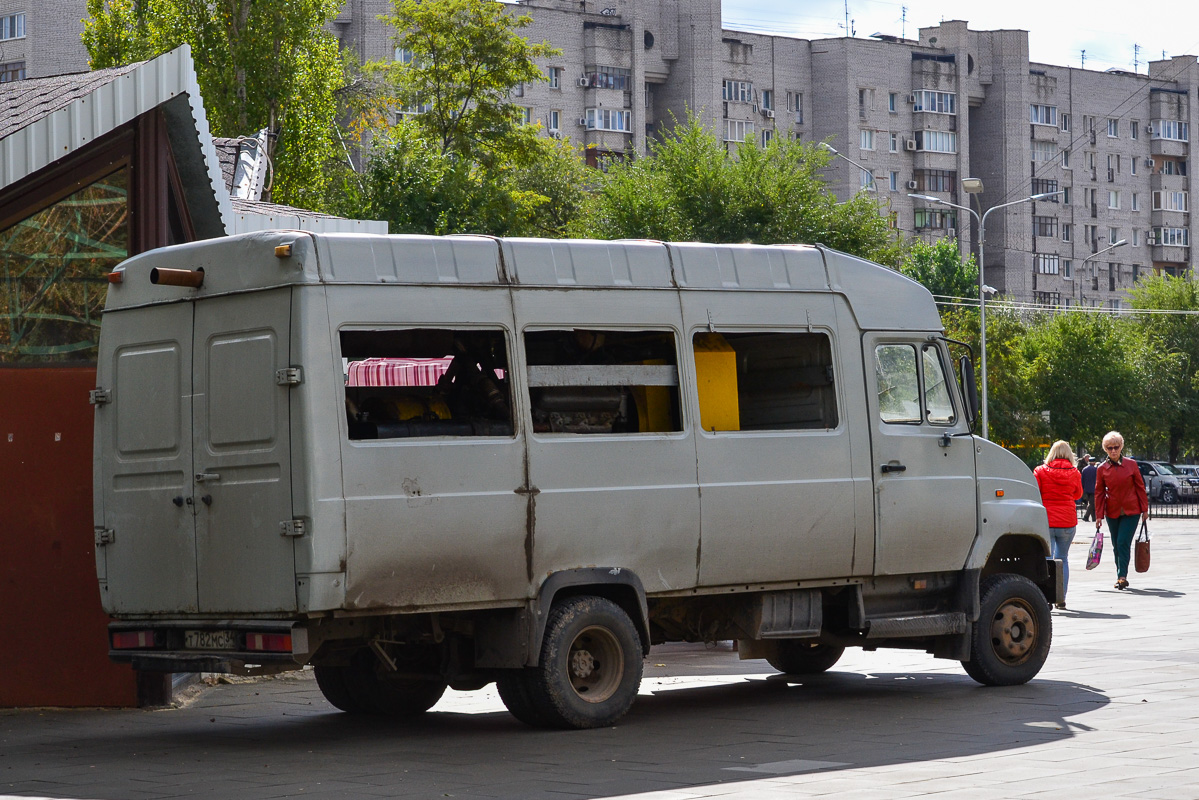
(201, 477)
(893, 468)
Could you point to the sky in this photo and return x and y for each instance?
(1058, 30)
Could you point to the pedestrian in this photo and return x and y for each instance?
(1061, 486)
(1088, 488)
(1120, 498)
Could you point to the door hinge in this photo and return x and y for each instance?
(293, 527)
(105, 536)
(99, 397)
(291, 376)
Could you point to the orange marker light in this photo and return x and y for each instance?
(283, 251)
(116, 277)
(999, 492)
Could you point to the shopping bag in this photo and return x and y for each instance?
(1141, 550)
(1096, 550)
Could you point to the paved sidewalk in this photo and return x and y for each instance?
(1114, 714)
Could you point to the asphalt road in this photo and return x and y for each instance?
(1114, 714)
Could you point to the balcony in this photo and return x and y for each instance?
(1168, 147)
(1171, 253)
(1168, 183)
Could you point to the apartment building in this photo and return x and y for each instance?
(909, 116)
(41, 37)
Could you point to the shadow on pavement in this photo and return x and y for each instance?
(760, 727)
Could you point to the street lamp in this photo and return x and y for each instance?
(838, 154)
(1092, 256)
(974, 187)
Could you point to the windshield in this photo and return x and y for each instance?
(1165, 469)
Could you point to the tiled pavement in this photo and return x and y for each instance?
(1114, 714)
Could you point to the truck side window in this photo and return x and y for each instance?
(898, 383)
(938, 407)
(765, 381)
(426, 382)
(602, 381)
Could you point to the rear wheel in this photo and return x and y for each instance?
(804, 656)
(1169, 495)
(1010, 641)
(332, 683)
(589, 671)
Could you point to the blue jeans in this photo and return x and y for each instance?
(1059, 541)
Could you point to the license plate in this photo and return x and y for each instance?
(208, 640)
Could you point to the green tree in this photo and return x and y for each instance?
(940, 268)
(260, 64)
(463, 58)
(1175, 382)
(689, 188)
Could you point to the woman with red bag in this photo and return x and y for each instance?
(1061, 485)
(1120, 498)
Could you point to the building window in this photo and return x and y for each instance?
(737, 91)
(1067, 268)
(893, 102)
(12, 26)
(1044, 226)
(936, 180)
(1047, 264)
(1113, 199)
(1045, 186)
(1133, 165)
(554, 120)
(1064, 196)
(519, 90)
(795, 104)
(1065, 159)
(52, 265)
(738, 130)
(867, 140)
(1043, 151)
(1042, 115)
(893, 142)
(12, 71)
(1136, 237)
(894, 181)
(1064, 119)
(404, 55)
(1171, 129)
(767, 135)
(1136, 200)
(413, 109)
(865, 101)
(768, 99)
(866, 181)
(526, 115)
(1134, 129)
(1172, 167)
(937, 141)
(1113, 235)
(935, 218)
(1066, 228)
(1170, 201)
(935, 102)
(1113, 128)
(555, 77)
(610, 119)
(1171, 237)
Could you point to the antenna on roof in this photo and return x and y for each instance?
(1084, 58)
(903, 25)
(1136, 55)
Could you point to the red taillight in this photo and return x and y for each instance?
(269, 642)
(132, 640)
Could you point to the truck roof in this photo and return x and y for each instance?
(881, 298)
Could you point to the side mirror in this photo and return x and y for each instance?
(969, 388)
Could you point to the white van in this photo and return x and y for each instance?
(418, 462)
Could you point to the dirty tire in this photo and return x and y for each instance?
(371, 690)
(589, 671)
(804, 656)
(514, 688)
(332, 683)
(1010, 641)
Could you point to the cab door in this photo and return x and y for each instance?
(924, 480)
(241, 466)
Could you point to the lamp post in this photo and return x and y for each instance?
(837, 153)
(1093, 256)
(974, 187)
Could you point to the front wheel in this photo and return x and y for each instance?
(1010, 641)
(589, 671)
(1169, 495)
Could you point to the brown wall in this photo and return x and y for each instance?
(53, 635)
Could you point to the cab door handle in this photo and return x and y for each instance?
(893, 468)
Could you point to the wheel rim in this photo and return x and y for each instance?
(595, 664)
(1014, 632)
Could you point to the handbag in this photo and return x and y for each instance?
(1141, 551)
(1096, 550)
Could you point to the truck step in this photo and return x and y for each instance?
(926, 625)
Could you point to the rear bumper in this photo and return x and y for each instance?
(163, 647)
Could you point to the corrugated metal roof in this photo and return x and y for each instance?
(25, 102)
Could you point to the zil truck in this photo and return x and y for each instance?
(418, 463)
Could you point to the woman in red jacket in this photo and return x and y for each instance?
(1120, 498)
(1061, 485)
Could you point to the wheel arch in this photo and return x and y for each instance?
(1025, 555)
(621, 586)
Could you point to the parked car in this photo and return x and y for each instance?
(1190, 478)
(1161, 481)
